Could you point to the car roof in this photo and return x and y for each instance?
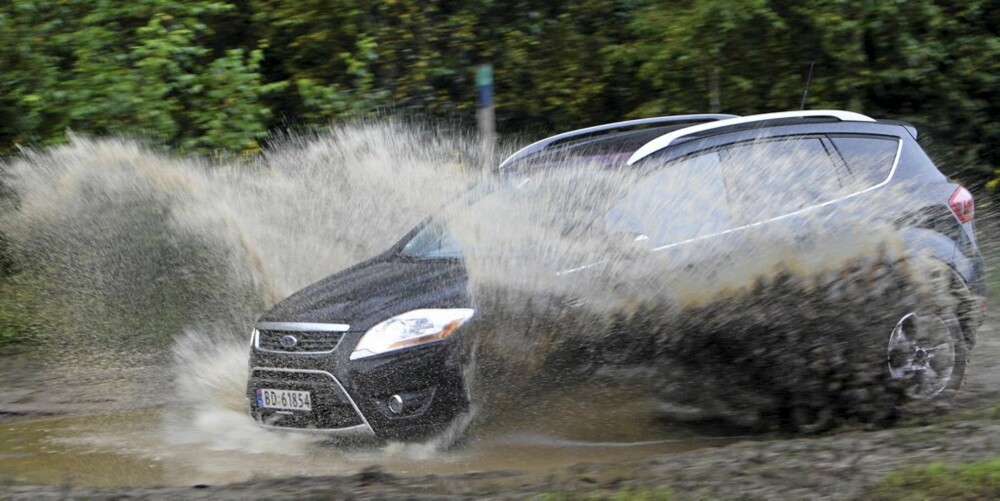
(607, 148)
(612, 132)
(670, 137)
(630, 141)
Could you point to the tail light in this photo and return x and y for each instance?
(962, 205)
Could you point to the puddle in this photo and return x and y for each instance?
(133, 449)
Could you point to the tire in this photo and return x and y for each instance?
(906, 352)
(926, 355)
(925, 349)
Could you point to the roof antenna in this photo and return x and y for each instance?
(805, 92)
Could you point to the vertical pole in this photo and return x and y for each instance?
(484, 107)
(714, 99)
(805, 91)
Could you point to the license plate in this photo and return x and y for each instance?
(284, 399)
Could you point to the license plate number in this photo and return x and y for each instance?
(284, 399)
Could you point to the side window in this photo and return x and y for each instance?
(769, 178)
(682, 200)
(868, 158)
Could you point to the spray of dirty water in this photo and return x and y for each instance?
(778, 315)
(145, 261)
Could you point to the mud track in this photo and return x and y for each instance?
(843, 465)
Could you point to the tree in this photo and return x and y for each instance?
(151, 66)
(931, 62)
(212, 75)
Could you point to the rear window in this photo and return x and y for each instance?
(869, 159)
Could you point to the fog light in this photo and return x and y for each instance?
(405, 404)
(396, 404)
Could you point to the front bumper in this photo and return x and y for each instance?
(334, 412)
(351, 398)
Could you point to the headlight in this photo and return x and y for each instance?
(253, 337)
(410, 329)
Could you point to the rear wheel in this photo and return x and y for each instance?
(900, 348)
(926, 354)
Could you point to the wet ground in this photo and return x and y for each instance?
(67, 443)
(110, 426)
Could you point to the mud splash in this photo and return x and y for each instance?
(140, 260)
(781, 323)
(143, 259)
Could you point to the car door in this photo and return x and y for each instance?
(675, 216)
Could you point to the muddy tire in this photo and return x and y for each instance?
(927, 354)
(911, 355)
(928, 347)
(811, 353)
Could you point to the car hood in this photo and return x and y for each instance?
(375, 290)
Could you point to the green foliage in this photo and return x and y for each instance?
(26, 71)
(942, 481)
(927, 61)
(225, 108)
(214, 75)
(323, 102)
(152, 67)
(930, 62)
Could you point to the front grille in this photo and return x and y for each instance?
(271, 340)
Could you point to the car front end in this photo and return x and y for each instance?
(376, 350)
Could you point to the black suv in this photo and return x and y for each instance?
(375, 349)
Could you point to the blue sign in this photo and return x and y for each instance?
(484, 85)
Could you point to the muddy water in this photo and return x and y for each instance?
(143, 443)
(148, 270)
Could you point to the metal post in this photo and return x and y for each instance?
(714, 99)
(484, 106)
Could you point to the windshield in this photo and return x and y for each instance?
(432, 242)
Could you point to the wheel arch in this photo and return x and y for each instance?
(942, 248)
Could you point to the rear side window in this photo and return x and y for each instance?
(766, 179)
(682, 200)
(868, 158)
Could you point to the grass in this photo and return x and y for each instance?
(970, 481)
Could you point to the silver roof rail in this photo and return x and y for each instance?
(668, 138)
(536, 147)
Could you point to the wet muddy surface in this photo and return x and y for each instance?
(109, 429)
(56, 446)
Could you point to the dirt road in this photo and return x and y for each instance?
(842, 465)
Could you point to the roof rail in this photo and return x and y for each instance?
(536, 147)
(668, 138)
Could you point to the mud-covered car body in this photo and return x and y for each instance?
(311, 367)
